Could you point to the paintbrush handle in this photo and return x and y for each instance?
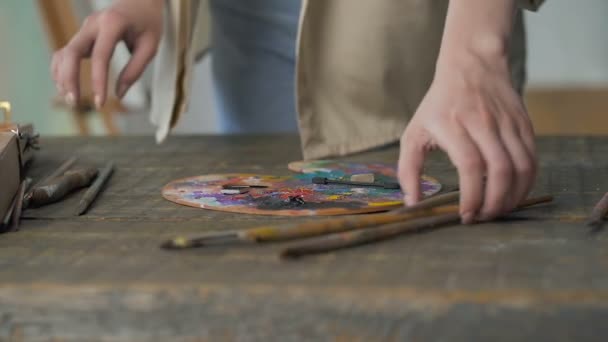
(383, 232)
(319, 227)
(334, 225)
(324, 180)
(598, 213)
(364, 236)
(314, 228)
(92, 192)
(60, 187)
(430, 202)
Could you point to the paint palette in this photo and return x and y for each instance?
(293, 195)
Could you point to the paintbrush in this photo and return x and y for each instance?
(325, 181)
(364, 236)
(599, 212)
(427, 207)
(95, 189)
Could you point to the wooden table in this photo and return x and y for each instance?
(537, 276)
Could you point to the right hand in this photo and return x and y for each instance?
(136, 22)
(473, 113)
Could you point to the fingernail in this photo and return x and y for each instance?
(467, 218)
(70, 99)
(97, 101)
(122, 89)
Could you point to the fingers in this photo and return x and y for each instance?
(495, 144)
(526, 134)
(97, 39)
(69, 77)
(411, 163)
(499, 168)
(519, 139)
(525, 131)
(143, 52)
(107, 39)
(524, 167)
(465, 155)
(65, 66)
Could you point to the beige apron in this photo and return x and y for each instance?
(363, 67)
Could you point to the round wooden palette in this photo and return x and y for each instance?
(293, 195)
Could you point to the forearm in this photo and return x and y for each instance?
(477, 30)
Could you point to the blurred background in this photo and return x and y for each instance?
(567, 88)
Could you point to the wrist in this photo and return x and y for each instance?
(483, 51)
(485, 45)
(477, 34)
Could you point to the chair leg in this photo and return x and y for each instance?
(81, 122)
(108, 120)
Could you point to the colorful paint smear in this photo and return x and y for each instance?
(343, 170)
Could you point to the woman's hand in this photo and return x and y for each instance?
(473, 113)
(476, 117)
(136, 22)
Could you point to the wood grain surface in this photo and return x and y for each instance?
(101, 277)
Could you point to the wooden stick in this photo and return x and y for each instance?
(364, 236)
(19, 206)
(427, 207)
(599, 212)
(89, 197)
